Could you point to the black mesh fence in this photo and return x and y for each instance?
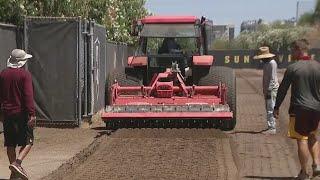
(9, 40)
(99, 67)
(117, 56)
(71, 63)
(54, 67)
(69, 67)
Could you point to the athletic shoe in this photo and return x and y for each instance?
(315, 170)
(270, 131)
(302, 176)
(14, 176)
(16, 168)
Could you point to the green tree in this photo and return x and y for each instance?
(11, 11)
(115, 15)
(306, 19)
(277, 35)
(277, 39)
(316, 14)
(311, 17)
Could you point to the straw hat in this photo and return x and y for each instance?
(264, 53)
(18, 58)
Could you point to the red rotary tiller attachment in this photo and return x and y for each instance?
(168, 99)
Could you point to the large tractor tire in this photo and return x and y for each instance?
(225, 75)
(122, 79)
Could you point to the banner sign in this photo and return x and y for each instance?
(244, 58)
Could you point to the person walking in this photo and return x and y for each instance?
(17, 107)
(270, 85)
(304, 110)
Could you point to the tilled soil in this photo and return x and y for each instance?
(158, 154)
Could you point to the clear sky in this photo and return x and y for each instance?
(231, 11)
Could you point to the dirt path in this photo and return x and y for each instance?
(52, 148)
(261, 156)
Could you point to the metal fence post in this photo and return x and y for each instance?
(79, 110)
(91, 67)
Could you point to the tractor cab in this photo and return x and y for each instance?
(164, 40)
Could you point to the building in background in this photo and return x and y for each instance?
(253, 25)
(224, 31)
(250, 25)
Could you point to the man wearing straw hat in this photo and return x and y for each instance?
(304, 110)
(17, 106)
(270, 85)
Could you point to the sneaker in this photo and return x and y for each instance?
(16, 168)
(302, 176)
(315, 170)
(270, 131)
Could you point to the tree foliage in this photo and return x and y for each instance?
(312, 17)
(316, 14)
(306, 19)
(115, 15)
(277, 36)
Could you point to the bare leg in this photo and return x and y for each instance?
(11, 152)
(314, 149)
(303, 153)
(24, 152)
(15, 167)
(21, 148)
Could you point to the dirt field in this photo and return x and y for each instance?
(158, 154)
(245, 153)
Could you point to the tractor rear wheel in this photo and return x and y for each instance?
(224, 75)
(123, 80)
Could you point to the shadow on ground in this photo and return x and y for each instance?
(249, 132)
(267, 177)
(102, 131)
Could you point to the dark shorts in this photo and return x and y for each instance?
(16, 131)
(307, 121)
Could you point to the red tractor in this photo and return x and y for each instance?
(171, 81)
